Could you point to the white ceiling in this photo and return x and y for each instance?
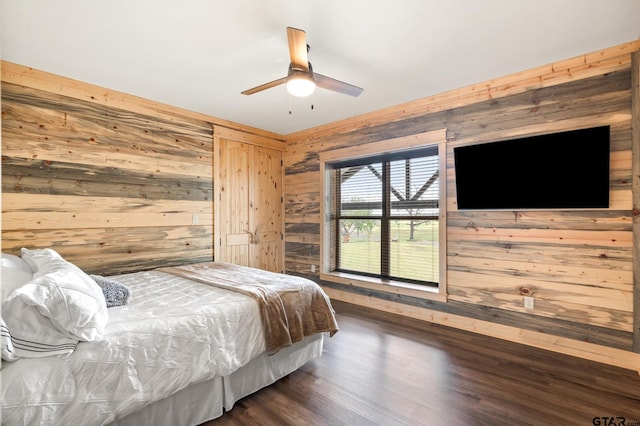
(200, 54)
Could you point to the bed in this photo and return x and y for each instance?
(187, 345)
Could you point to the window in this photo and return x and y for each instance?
(382, 217)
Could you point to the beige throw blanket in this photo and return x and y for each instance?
(291, 307)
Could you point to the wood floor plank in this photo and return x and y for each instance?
(382, 369)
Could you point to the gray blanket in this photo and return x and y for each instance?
(115, 293)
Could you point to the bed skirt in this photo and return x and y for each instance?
(208, 400)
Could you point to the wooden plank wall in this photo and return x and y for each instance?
(577, 264)
(635, 170)
(113, 182)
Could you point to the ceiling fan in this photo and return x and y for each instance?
(301, 80)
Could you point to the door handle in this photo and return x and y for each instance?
(254, 237)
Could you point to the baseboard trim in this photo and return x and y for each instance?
(598, 353)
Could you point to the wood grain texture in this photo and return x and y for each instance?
(85, 133)
(117, 250)
(382, 369)
(426, 309)
(113, 189)
(579, 265)
(250, 208)
(635, 143)
(114, 182)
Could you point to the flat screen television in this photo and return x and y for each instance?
(566, 170)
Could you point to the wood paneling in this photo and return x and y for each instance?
(113, 182)
(635, 168)
(578, 265)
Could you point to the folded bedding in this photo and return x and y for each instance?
(115, 293)
(290, 307)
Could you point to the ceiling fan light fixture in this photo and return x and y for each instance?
(300, 84)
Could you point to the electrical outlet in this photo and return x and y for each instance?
(313, 268)
(528, 302)
(194, 219)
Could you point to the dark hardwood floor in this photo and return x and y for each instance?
(382, 369)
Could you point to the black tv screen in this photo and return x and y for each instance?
(567, 170)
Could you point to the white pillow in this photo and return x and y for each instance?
(12, 279)
(15, 273)
(15, 262)
(63, 293)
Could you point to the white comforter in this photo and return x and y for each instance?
(173, 333)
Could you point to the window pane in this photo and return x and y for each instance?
(361, 190)
(415, 187)
(360, 245)
(414, 249)
(400, 243)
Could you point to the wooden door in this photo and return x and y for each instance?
(249, 222)
(234, 231)
(266, 203)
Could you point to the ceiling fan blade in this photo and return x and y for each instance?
(298, 48)
(265, 86)
(337, 85)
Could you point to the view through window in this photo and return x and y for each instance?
(385, 216)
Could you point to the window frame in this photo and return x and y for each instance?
(390, 146)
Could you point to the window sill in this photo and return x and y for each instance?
(385, 285)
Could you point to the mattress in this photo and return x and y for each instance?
(174, 333)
